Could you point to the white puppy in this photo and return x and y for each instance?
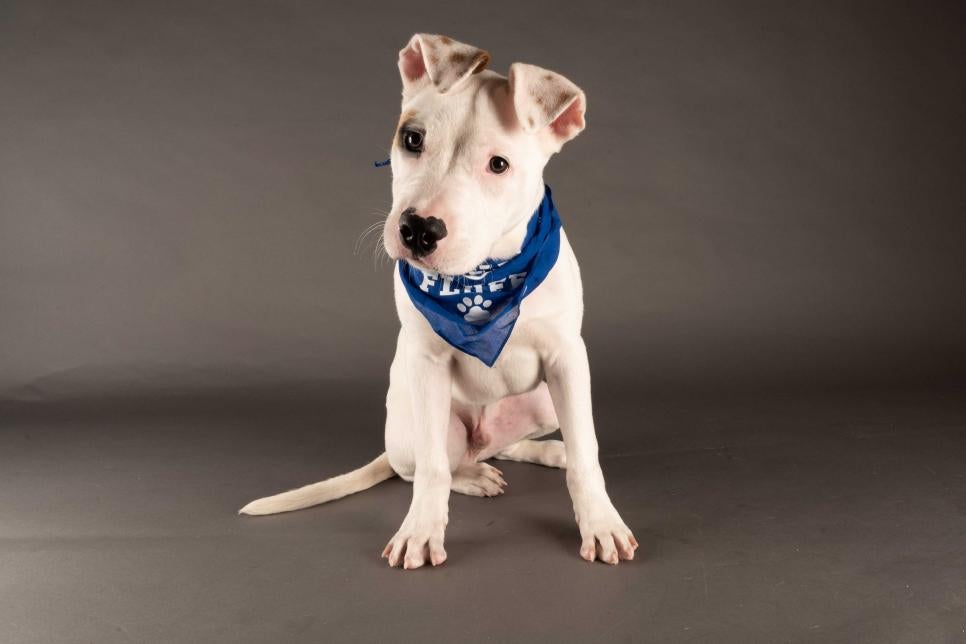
(467, 163)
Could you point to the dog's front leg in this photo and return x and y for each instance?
(603, 533)
(421, 533)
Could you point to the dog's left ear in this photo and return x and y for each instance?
(547, 103)
(439, 60)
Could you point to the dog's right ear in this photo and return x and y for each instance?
(438, 60)
(547, 104)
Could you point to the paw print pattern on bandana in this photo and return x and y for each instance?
(475, 310)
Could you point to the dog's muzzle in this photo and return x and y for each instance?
(420, 234)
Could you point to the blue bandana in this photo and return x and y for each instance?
(475, 312)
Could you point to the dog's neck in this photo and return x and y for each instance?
(510, 243)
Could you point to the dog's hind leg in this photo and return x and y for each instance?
(511, 424)
(469, 477)
(550, 453)
(478, 479)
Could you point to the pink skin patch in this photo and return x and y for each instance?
(570, 121)
(411, 63)
(477, 438)
(511, 419)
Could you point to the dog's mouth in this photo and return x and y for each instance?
(423, 263)
(433, 262)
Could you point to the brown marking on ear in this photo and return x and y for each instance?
(542, 98)
(481, 61)
(440, 59)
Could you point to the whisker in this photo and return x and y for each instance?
(360, 241)
(378, 240)
(379, 253)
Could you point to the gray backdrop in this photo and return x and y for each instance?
(766, 193)
(768, 201)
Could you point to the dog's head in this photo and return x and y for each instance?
(469, 151)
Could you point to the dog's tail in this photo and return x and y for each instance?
(324, 491)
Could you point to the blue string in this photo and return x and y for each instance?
(381, 164)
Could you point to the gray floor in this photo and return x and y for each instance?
(839, 517)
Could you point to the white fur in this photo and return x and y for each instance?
(446, 411)
(329, 490)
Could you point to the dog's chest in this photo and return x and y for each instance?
(517, 371)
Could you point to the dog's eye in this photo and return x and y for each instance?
(499, 165)
(413, 140)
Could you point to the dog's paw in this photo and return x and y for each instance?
(417, 541)
(478, 479)
(475, 310)
(605, 537)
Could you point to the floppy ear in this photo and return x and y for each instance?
(546, 102)
(439, 60)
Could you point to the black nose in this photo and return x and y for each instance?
(420, 234)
